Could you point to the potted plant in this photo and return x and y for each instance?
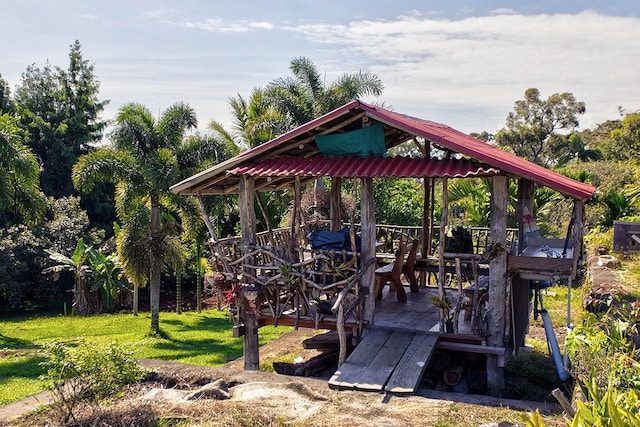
(444, 306)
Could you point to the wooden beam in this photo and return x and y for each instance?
(368, 244)
(441, 243)
(335, 212)
(525, 201)
(248, 229)
(497, 281)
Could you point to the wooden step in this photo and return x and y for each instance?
(410, 368)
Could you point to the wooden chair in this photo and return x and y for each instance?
(390, 273)
(409, 266)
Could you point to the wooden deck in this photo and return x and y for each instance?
(417, 314)
(396, 349)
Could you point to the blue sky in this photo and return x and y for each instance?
(462, 63)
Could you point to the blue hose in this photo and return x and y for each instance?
(553, 344)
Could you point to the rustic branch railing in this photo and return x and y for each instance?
(305, 288)
(301, 283)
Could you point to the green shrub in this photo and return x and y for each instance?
(87, 373)
(606, 407)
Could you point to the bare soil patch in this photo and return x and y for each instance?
(257, 398)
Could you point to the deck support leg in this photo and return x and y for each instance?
(248, 229)
(497, 282)
(251, 348)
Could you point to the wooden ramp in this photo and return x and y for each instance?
(386, 360)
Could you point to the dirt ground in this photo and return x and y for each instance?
(177, 394)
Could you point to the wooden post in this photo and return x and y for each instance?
(368, 244)
(335, 214)
(248, 229)
(426, 218)
(296, 214)
(443, 230)
(497, 282)
(525, 200)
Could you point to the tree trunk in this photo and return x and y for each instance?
(136, 299)
(178, 293)
(155, 268)
(198, 277)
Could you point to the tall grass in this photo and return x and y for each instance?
(196, 338)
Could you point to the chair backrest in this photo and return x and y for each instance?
(400, 254)
(411, 258)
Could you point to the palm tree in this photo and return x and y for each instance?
(573, 147)
(19, 173)
(304, 96)
(143, 163)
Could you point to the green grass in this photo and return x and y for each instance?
(196, 338)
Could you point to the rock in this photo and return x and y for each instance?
(216, 390)
(608, 261)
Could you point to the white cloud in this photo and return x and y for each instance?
(222, 26)
(487, 62)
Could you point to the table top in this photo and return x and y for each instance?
(546, 251)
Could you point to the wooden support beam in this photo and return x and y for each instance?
(335, 214)
(248, 229)
(368, 244)
(525, 201)
(497, 281)
(443, 229)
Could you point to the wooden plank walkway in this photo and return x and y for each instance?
(386, 360)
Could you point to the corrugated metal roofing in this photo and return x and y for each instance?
(480, 150)
(300, 143)
(372, 166)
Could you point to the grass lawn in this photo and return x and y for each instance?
(197, 338)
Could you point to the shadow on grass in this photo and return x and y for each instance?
(206, 340)
(15, 343)
(18, 366)
(532, 376)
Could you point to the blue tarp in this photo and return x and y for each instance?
(337, 240)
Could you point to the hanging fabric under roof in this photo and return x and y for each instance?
(360, 142)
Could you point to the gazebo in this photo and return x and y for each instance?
(282, 279)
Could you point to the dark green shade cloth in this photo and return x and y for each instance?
(360, 142)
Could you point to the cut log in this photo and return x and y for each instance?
(328, 341)
(310, 368)
(452, 375)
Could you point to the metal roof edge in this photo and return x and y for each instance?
(578, 190)
(249, 154)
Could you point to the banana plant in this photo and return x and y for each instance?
(107, 276)
(77, 264)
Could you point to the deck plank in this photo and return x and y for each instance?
(384, 363)
(410, 368)
(358, 362)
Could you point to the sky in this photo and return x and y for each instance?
(459, 62)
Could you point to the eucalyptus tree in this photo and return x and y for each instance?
(532, 128)
(142, 162)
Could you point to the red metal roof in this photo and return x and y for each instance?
(300, 144)
(480, 150)
(373, 166)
